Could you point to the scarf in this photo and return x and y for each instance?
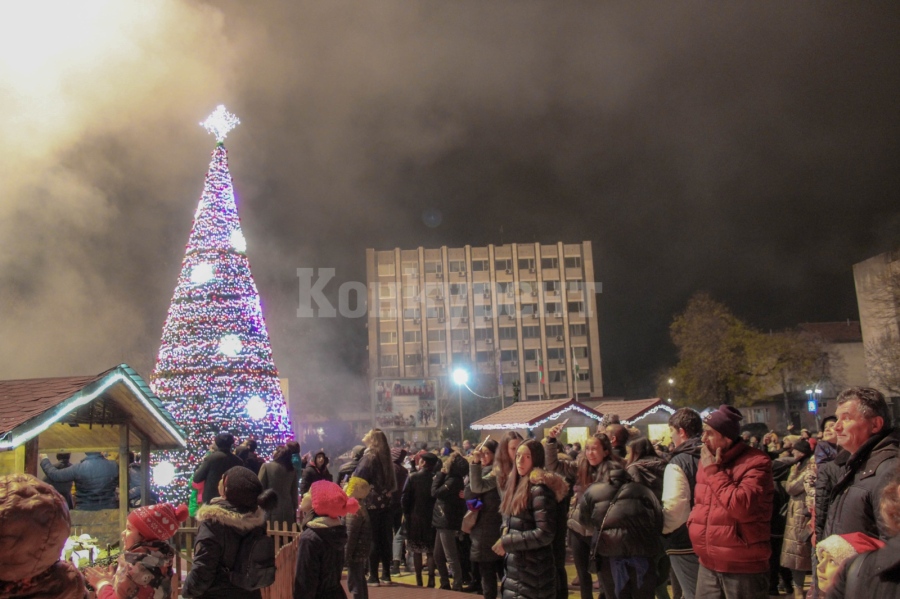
(145, 571)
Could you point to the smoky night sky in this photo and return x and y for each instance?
(748, 149)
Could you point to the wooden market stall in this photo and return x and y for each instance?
(111, 411)
(531, 418)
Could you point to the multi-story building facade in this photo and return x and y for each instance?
(524, 313)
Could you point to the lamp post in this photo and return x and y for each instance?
(460, 377)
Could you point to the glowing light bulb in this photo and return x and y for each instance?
(163, 473)
(230, 345)
(220, 122)
(256, 408)
(238, 241)
(202, 273)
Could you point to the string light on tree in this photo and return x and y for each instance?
(215, 370)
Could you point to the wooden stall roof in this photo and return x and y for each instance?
(531, 414)
(80, 412)
(632, 410)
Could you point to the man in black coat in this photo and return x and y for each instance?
(869, 454)
(215, 465)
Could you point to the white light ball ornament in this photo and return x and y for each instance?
(256, 408)
(230, 345)
(163, 473)
(202, 273)
(238, 241)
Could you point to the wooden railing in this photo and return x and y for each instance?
(285, 536)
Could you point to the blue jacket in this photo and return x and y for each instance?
(96, 479)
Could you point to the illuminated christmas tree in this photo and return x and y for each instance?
(215, 370)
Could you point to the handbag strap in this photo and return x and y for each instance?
(599, 530)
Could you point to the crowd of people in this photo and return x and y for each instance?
(716, 513)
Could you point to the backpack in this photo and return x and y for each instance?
(254, 564)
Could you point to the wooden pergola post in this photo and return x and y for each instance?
(145, 470)
(123, 474)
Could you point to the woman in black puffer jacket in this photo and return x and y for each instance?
(449, 509)
(529, 508)
(483, 487)
(628, 519)
(418, 509)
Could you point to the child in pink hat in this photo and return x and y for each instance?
(144, 567)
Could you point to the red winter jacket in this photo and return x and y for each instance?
(730, 523)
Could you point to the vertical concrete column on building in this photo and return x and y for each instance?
(445, 294)
(398, 304)
(520, 341)
(372, 322)
(470, 308)
(495, 324)
(423, 306)
(542, 320)
(571, 384)
(592, 318)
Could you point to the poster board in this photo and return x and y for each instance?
(405, 403)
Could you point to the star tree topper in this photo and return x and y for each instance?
(220, 123)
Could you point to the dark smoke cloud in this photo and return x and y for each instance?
(748, 149)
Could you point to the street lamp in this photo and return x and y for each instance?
(460, 377)
(812, 402)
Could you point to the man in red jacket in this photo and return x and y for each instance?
(730, 522)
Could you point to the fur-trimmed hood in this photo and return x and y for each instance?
(219, 510)
(556, 483)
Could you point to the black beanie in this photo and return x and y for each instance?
(242, 488)
(726, 420)
(224, 441)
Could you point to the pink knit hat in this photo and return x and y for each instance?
(328, 499)
(158, 522)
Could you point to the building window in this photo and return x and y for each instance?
(552, 307)
(555, 353)
(529, 309)
(509, 355)
(386, 291)
(482, 334)
(386, 269)
(413, 359)
(531, 332)
(483, 310)
(506, 309)
(557, 376)
(578, 330)
(456, 265)
(432, 267)
(551, 287)
(480, 288)
(437, 335)
(411, 313)
(580, 351)
(584, 376)
(480, 265)
(459, 311)
(573, 261)
(549, 262)
(460, 359)
(526, 264)
(483, 357)
(507, 332)
(412, 337)
(503, 264)
(389, 360)
(386, 337)
(437, 358)
(410, 291)
(575, 285)
(411, 269)
(532, 377)
(554, 331)
(576, 307)
(504, 287)
(458, 289)
(435, 312)
(531, 354)
(459, 334)
(387, 312)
